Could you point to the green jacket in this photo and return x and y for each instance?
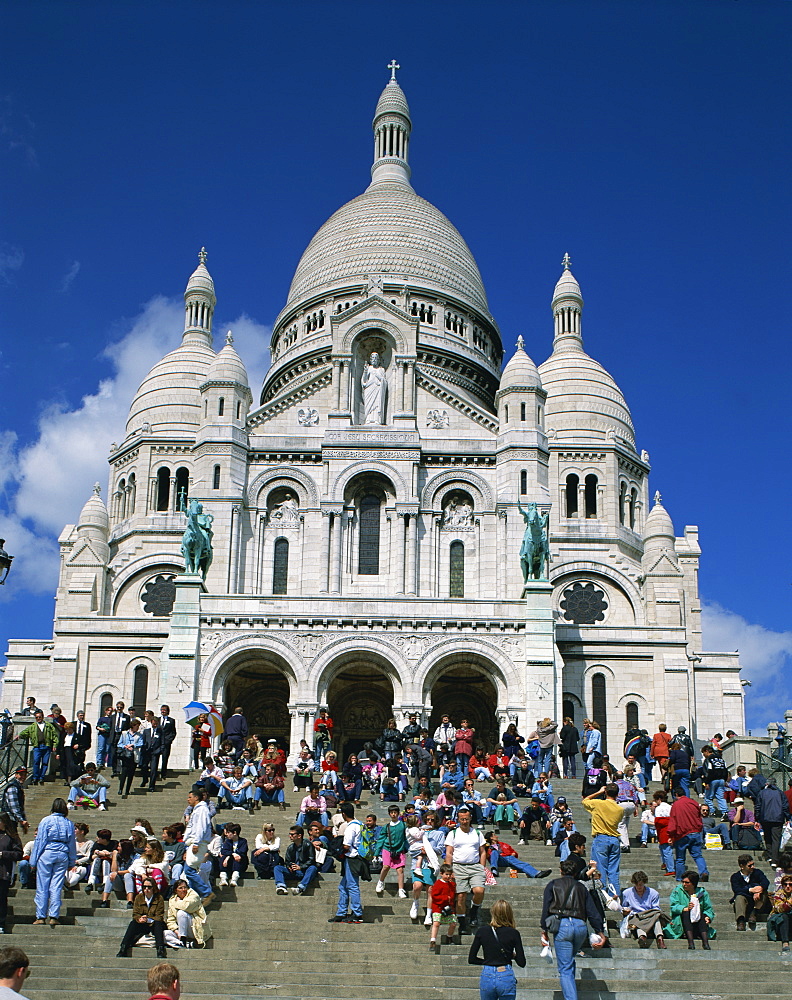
(51, 734)
(392, 838)
(678, 901)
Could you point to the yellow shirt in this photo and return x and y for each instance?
(606, 814)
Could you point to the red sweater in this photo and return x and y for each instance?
(442, 894)
(685, 818)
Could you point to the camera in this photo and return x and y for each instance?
(447, 911)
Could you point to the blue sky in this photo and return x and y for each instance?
(649, 140)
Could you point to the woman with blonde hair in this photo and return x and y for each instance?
(502, 945)
(185, 918)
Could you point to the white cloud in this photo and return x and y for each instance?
(11, 259)
(44, 485)
(69, 276)
(765, 657)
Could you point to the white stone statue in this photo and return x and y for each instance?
(437, 418)
(375, 391)
(458, 513)
(308, 417)
(287, 511)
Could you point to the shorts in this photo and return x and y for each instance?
(441, 918)
(468, 877)
(395, 860)
(425, 875)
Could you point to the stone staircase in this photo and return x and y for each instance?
(283, 947)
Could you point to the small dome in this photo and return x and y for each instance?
(567, 288)
(94, 517)
(658, 522)
(228, 366)
(583, 400)
(168, 398)
(200, 279)
(520, 372)
(392, 102)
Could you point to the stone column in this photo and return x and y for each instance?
(501, 555)
(336, 551)
(398, 551)
(412, 533)
(543, 668)
(324, 569)
(410, 402)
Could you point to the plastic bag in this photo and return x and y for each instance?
(547, 953)
(623, 931)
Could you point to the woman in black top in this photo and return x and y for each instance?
(502, 945)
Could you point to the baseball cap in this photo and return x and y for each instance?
(561, 799)
(140, 829)
(272, 741)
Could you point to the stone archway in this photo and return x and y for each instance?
(360, 700)
(462, 692)
(261, 688)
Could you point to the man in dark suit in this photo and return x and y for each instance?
(119, 723)
(155, 747)
(82, 732)
(168, 726)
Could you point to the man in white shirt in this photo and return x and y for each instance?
(350, 906)
(196, 837)
(445, 732)
(466, 851)
(14, 970)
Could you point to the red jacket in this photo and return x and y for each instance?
(505, 850)
(442, 894)
(659, 747)
(685, 818)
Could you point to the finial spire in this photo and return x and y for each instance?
(566, 261)
(202, 255)
(520, 343)
(229, 339)
(657, 497)
(97, 489)
(393, 66)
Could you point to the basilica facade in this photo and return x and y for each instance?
(367, 510)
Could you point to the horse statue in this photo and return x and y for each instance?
(535, 550)
(196, 543)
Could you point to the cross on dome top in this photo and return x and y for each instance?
(97, 489)
(566, 261)
(393, 66)
(520, 343)
(229, 338)
(657, 497)
(202, 255)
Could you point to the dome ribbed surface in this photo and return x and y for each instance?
(227, 367)
(520, 371)
(168, 397)
(389, 230)
(94, 515)
(567, 287)
(200, 281)
(658, 523)
(392, 101)
(583, 399)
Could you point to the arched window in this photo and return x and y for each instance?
(590, 491)
(368, 545)
(105, 702)
(216, 478)
(163, 488)
(622, 503)
(280, 567)
(121, 509)
(633, 508)
(599, 707)
(140, 689)
(239, 409)
(572, 482)
(182, 485)
(568, 709)
(220, 406)
(522, 412)
(632, 715)
(130, 507)
(523, 482)
(457, 570)
(505, 414)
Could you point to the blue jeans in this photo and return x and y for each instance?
(100, 795)
(24, 874)
(240, 798)
(348, 893)
(463, 759)
(194, 878)
(690, 842)
(543, 760)
(667, 856)
(102, 749)
(281, 873)
(646, 832)
(569, 766)
(496, 861)
(682, 780)
(41, 759)
(495, 985)
(716, 790)
(268, 797)
(570, 939)
(606, 854)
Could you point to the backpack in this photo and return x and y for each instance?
(717, 768)
(591, 779)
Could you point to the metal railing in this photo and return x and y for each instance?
(777, 764)
(12, 756)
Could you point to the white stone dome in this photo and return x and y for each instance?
(658, 523)
(391, 231)
(567, 288)
(392, 101)
(94, 517)
(520, 372)
(200, 281)
(168, 398)
(227, 366)
(583, 401)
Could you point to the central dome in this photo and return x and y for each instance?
(391, 231)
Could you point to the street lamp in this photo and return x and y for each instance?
(5, 561)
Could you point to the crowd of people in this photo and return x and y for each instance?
(439, 790)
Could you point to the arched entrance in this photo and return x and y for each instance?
(262, 691)
(462, 692)
(360, 700)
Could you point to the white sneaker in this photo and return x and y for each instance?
(520, 843)
(294, 789)
(235, 879)
(102, 807)
(380, 888)
(70, 805)
(414, 910)
(281, 890)
(428, 919)
(223, 880)
(549, 843)
(402, 894)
